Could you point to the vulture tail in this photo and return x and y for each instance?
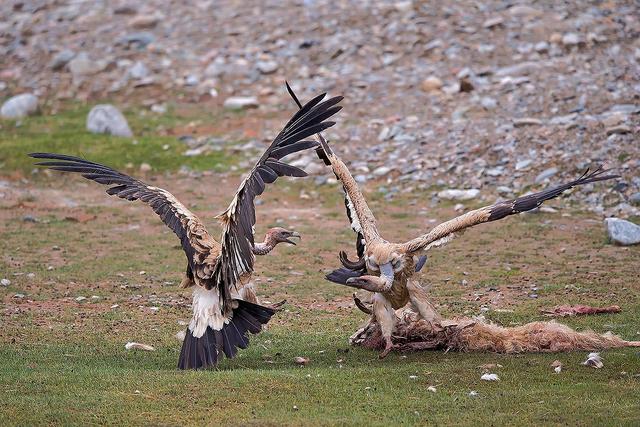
(207, 350)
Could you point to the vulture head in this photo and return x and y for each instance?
(282, 235)
(383, 260)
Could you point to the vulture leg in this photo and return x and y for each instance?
(386, 318)
(248, 293)
(420, 301)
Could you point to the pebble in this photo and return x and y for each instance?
(145, 21)
(523, 164)
(545, 174)
(571, 39)
(634, 199)
(618, 130)
(431, 84)
(61, 59)
(493, 22)
(145, 167)
(19, 106)
(5, 282)
(241, 102)
(267, 67)
(381, 171)
(455, 194)
(526, 121)
(622, 232)
(138, 71)
(490, 377)
(82, 65)
(107, 119)
(488, 103)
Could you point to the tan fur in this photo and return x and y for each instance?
(465, 334)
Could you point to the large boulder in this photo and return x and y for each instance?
(622, 232)
(19, 106)
(106, 118)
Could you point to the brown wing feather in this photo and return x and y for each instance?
(201, 249)
(445, 232)
(238, 220)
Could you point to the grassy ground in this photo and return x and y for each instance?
(62, 360)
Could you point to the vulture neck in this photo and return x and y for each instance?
(265, 247)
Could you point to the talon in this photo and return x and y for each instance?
(387, 349)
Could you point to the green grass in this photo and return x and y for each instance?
(63, 362)
(65, 132)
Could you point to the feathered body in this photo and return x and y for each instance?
(225, 309)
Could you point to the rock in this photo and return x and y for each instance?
(634, 199)
(620, 129)
(431, 84)
(490, 377)
(524, 11)
(493, 22)
(523, 164)
(267, 67)
(455, 194)
(139, 40)
(541, 47)
(526, 121)
(19, 106)
(144, 21)
(622, 232)
(381, 171)
(105, 118)
(61, 59)
(145, 167)
(82, 65)
(571, 39)
(524, 68)
(404, 6)
(241, 102)
(5, 282)
(138, 71)
(545, 174)
(488, 103)
(302, 361)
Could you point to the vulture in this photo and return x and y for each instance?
(224, 310)
(388, 269)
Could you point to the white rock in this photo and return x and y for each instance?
(523, 164)
(571, 39)
(241, 102)
(19, 106)
(267, 67)
(546, 174)
(594, 360)
(454, 194)
(105, 118)
(83, 65)
(622, 232)
(145, 167)
(136, 345)
(180, 335)
(381, 171)
(5, 282)
(81, 298)
(490, 377)
(138, 71)
(432, 389)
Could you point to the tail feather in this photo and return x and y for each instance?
(207, 350)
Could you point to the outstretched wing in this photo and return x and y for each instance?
(446, 231)
(238, 220)
(196, 242)
(361, 219)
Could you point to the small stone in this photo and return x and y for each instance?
(80, 298)
(571, 39)
(138, 71)
(490, 377)
(473, 393)
(145, 167)
(267, 67)
(594, 361)
(634, 199)
(107, 119)
(545, 174)
(241, 102)
(541, 47)
(455, 194)
(19, 106)
(493, 22)
(82, 65)
(5, 282)
(18, 296)
(431, 84)
(381, 171)
(620, 129)
(526, 121)
(29, 218)
(488, 103)
(622, 232)
(523, 164)
(403, 6)
(432, 389)
(61, 59)
(144, 21)
(524, 68)
(180, 335)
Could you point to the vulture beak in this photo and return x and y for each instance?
(290, 235)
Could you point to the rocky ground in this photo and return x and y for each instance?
(495, 97)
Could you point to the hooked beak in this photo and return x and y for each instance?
(293, 234)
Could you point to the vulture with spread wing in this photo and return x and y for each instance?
(387, 269)
(224, 310)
